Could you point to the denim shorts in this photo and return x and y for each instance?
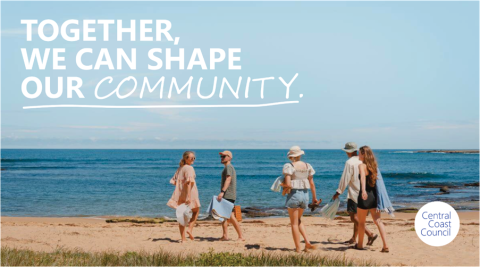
(298, 198)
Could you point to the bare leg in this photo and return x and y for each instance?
(236, 225)
(192, 222)
(367, 231)
(293, 213)
(353, 218)
(381, 227)
(182, 232)
(303, 232)
(225, 230)
(362, 216)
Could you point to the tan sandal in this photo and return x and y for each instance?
(314, 205)
(371, 240)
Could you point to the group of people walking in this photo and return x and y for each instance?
(360, 175)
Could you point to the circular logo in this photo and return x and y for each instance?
(437, 223)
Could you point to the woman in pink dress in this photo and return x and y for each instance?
(186, 191)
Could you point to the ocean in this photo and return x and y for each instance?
(71, 182)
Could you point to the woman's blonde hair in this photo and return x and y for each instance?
(371, 162)
(185, 157)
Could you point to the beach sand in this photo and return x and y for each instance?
(267, 234)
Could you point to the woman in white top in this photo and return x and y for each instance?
(298, 180)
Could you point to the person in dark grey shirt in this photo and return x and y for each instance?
(229, 193)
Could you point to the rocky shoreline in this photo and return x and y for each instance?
(446, 189)
(258, 212)
(449, 151)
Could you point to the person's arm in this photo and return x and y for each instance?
(344, 180)
(287, 181)
(228, 180)
(312, 187)
(363, 181)
(189, 176)
(287, 185)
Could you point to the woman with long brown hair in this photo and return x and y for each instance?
(367, 199)
(186, 192)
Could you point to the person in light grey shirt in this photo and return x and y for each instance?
(229, 192)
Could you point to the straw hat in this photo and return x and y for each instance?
(295, 151)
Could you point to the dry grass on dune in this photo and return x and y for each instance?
(21, 257)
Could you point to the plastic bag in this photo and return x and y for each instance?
(329, 211)
(276, 186)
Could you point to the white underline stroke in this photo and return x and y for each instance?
(167, 106)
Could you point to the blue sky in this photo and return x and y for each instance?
(386, 74)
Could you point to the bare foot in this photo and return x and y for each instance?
(190, 235)
(310, 246)
(224, 239)
(241, 239)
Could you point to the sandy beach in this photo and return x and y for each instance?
(270, 235)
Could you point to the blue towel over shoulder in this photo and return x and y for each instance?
(383, 202)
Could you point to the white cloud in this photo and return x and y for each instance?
(449, 125)
(13, 32)
(28, 131)
(373, 129)
(132, 127)
(23, 31)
